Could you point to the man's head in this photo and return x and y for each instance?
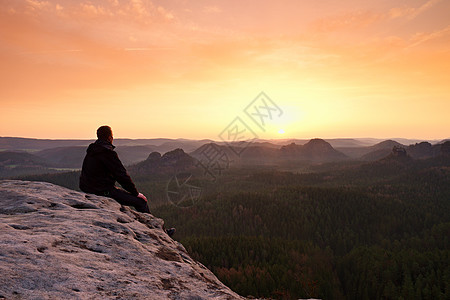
(105, 133)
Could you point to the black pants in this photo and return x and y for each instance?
(125, 198)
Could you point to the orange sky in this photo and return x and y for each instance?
(178, 68)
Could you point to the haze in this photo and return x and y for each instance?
(181, 68)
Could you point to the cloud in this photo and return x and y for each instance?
(165, 13)
(113, 35)
(411, 12)
(138, 7)
(149, 49)
(420, 38)
(37, 5)
(212, 9)
(349, 20)
(127, 11)
(362, 18)
(92, 10)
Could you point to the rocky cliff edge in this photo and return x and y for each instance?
(57, 243)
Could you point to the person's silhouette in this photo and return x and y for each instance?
(101, 170)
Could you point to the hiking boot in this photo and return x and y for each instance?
(170, 231)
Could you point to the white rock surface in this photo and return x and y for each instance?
(56, 243)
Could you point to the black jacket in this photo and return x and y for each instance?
(102, 168)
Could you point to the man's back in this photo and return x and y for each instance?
(102, 168)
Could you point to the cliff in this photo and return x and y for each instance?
(59, 243)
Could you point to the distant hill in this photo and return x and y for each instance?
(162, 144)
(316, 150)
(388, 144)
(186, 145)
(258, 152)
(370, 153)
(27, 144)
(399, 160)
(70, 153)
(398, 163)
(379, 150)
(167, 144)
(9, 158)
(265, 145)
(443, 149)
(72, 157)
(398, 154)
(228, 151)
(336, 143)
(420, 150)
(64, 157)
(133, 154)
(21, 163)
(281, 142)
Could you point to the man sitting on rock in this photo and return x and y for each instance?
(102, 168)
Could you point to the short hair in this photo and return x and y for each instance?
(104, 132)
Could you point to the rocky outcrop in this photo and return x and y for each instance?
(399, 152)
(445, 148)
(170, 163)
(397, 160)
(420, 150)
(57, 243)
(316, 150)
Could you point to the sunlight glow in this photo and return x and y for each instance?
(177, 69)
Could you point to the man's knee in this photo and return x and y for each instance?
(126, 198)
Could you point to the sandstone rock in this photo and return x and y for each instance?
(172, 162)
(57, 243)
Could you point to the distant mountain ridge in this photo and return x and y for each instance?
(315, 150)
(399, 161)
(261, 152)
(380, 150)
(162, 144)
(167, 144)
(72, 157)
(21, 163)
(420, 150)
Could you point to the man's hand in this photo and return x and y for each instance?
(142, 196)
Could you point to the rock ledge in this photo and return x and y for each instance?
(59, 243)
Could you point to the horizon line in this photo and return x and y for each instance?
(215, 140)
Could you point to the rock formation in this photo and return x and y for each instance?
(399, 152)
(171, 163)
(57, 243)
(445, 148)
(420, 150)
(316, 150)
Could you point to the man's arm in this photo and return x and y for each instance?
(120, 173)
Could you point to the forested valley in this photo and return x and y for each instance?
(340, 231)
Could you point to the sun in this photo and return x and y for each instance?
(281, 131)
